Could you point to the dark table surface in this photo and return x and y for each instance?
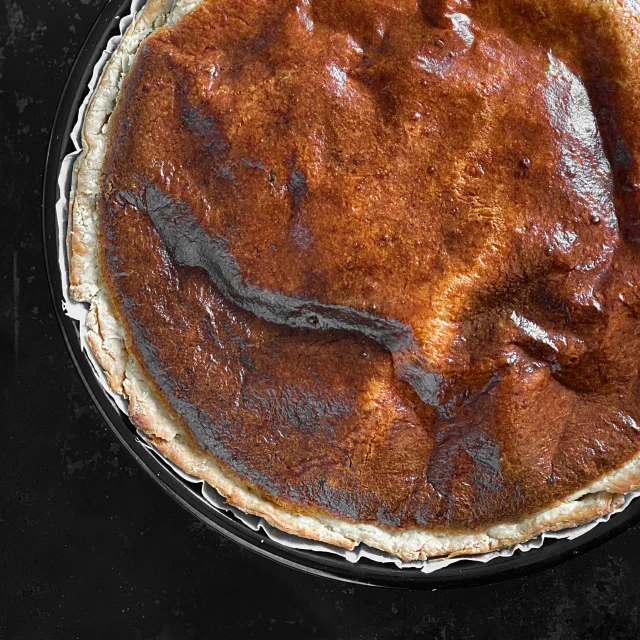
(90, 547)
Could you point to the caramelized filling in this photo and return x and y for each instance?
(381, 257)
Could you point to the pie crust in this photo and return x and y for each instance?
(152, 413)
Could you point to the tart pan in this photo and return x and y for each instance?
(365, 571)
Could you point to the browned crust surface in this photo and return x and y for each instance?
(152, 414)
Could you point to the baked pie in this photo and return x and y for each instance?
(370, 268)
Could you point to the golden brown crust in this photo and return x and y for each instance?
(150, 412)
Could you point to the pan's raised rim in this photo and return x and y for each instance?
(464, 573)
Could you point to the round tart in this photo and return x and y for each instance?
(370, 268)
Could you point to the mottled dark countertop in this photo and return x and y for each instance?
(90, 547)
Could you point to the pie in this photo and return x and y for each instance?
(370, 268)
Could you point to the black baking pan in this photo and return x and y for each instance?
(463, 573)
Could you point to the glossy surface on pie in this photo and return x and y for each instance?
(381, 257)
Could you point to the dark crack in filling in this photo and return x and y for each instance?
(381, 258)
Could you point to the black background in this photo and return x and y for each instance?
(90, 547)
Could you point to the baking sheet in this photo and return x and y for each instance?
(210, 497)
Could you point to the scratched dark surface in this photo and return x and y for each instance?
(91, 548)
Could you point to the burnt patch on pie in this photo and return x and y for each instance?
(191, 246)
